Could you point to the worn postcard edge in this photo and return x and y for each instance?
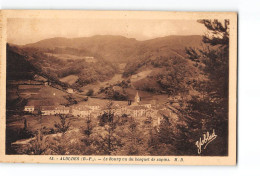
(163, 160)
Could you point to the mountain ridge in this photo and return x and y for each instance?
(65, 39)
(119, 48)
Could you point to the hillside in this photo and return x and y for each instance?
(111, 48)
(157, 65)
(119, 48)
(50, 64)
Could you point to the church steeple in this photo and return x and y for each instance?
(137, 98)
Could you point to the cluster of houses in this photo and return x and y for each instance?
(50, 110)
(135, 109)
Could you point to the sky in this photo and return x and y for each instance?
(22, 31)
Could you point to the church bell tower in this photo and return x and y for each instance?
(137, 98)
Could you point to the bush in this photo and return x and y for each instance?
(64, 125)
(90, 92)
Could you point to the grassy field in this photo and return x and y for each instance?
(96, 86)
(50, 94)
(64, 56)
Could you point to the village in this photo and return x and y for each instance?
(95, 107)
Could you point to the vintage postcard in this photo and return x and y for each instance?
(118, 87)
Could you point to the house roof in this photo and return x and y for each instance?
(137, 107)
(62, 108)
(46, 108)
(29, 107)
(80, 107)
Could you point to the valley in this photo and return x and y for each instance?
(83, 79)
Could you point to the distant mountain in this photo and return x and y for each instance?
(119, 48)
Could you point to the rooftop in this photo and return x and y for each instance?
(137, 107)
(29, 106)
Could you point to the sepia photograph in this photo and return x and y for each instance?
(124, 84)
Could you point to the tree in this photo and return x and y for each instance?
(132, 137)
(25, 124)
(66, 144)
(103, 139)
(89, 128)
(210, 111)
(38, 146)
(218, 32)
(88, 133)
(162, 140)
(90, 92)
(214, 57)
(64, 124)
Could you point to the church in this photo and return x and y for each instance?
(138, 108)
(136, 100)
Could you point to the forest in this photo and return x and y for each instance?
(55, 68)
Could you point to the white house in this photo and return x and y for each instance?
(29, 109)
(147, 105)
(81, 111)
(47, 110)
(62, 110)
(138, 111)
(52, 110)
(69, 90)
(94, 107)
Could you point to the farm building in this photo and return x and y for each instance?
(52, 110)
(29, 109)
(47, 110)
(81, 111)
